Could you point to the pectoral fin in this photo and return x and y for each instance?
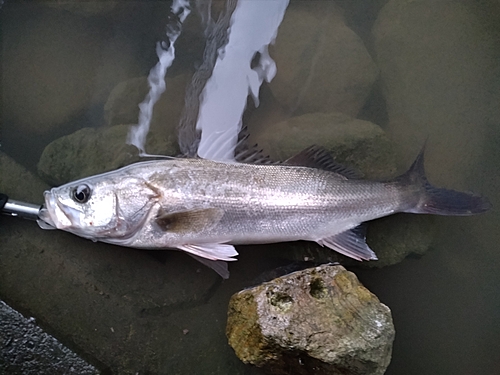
(189, 221)
(350, 243)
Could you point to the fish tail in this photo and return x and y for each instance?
(438, 201)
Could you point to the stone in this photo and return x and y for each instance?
(89, 151)
(122, 106)
(323, 68)
(18, 183)
(440, 81)
(26, 349)
(320, 320)
(356, 143)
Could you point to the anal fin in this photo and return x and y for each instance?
(350, 243)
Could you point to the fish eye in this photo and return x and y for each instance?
(81, 193)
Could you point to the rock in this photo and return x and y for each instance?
(323, 68)
(395, 237)
(356, 143)
(26, 349)
(320, 320)
(440, 81)
(18, 183)
(122, 106)
(90, 151)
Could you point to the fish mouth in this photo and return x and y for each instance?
(46, 214)
(56, 214)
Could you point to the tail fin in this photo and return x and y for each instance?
(439, 201)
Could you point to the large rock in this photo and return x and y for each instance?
(320, 320)
(323, 68)
(440, 81)
(26, 349)
(89, 151)
(18, 183)
(122, 106)
(356, 143)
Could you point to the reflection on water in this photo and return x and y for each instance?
(415, 71)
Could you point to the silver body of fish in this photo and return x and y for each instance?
(204, 207)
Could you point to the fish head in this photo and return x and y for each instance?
(97, 208)
(84, 207)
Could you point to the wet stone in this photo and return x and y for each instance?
(90, 151)
(320, 320)
(26, 349)
(320, 69)
(18, 183)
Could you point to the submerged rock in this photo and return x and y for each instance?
(122, 106)
(89, 151)
(320, 320)
(356, 143)
(323, 68)
(18, 183)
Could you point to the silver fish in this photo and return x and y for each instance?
(205, 207)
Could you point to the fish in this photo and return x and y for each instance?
(205, 207)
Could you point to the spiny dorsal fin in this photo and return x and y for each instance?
(318, 157)
(249, 154)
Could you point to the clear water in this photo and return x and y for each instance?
(59, 66)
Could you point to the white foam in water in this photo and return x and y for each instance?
(156, 79)
(254, 25)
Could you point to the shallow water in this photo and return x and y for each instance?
(59, 66)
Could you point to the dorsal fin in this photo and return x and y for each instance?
(318, 157)
(249, 154)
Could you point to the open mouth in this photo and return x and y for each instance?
(57, 215)
(45, 217)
